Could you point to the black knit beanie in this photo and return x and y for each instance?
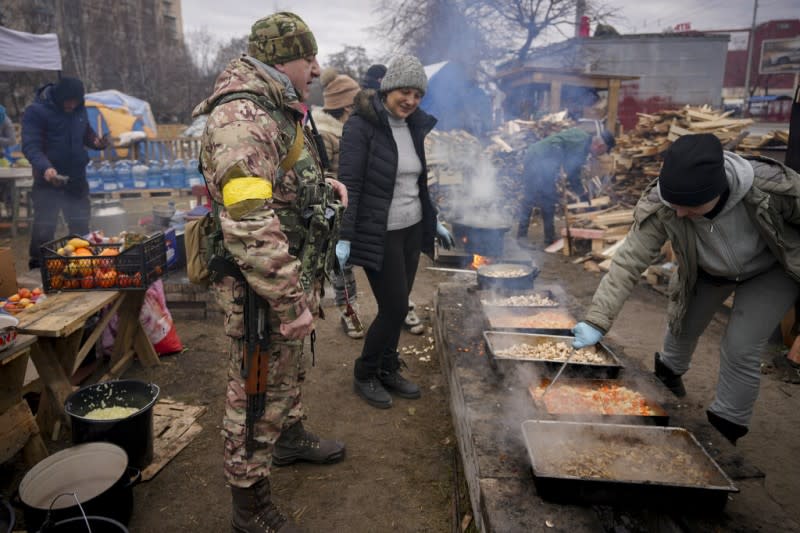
(693, 171)
(372, 78)
(68, 89)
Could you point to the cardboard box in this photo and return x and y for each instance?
(8, 274)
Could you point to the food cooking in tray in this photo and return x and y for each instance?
(510, 272)
(599, 399)
(555, 351)
(541, 320)
(522, 300)
(628, 458)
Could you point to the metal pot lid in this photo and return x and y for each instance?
(87, 469)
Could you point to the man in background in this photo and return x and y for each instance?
(55, 137)
(543, 163)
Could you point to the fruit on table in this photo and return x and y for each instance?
(22, 299)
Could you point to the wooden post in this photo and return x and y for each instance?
(555, 96)
(613, 106)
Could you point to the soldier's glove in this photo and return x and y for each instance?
(585, 335)
(342, 253)
(444, 236)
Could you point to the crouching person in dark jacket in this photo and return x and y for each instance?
(390, 218)
(733, 223)
(55, 136)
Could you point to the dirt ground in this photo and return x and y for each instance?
(399, 471)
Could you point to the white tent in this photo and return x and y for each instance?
(20, 51)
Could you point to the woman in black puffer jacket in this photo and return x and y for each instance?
(390, 218)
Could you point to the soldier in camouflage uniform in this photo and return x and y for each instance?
(255, 117)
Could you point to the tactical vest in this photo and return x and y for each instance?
(312, 224)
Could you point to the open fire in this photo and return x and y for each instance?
(479, 260)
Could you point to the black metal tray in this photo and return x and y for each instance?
(665, 484)
(498, 340)
(508, 319)
(660, 417)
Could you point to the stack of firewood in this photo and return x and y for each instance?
(638, 154)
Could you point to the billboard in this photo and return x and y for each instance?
(780, 56)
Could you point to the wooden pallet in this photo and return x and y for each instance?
(142, 193)
(174, 426)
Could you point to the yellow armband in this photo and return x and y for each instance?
(242, 195)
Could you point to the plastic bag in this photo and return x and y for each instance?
(156, 322)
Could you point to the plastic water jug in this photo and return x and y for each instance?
(154, 175)
(124, 175)
(93, 178)
(193, 176)
(139, 175)
(178, 175)
(108, 177)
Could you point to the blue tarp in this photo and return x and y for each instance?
(135, 106)
(456, 100)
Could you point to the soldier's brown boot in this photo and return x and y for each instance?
(254, 511)
(297, 444)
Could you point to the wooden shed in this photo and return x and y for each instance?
(532, 89)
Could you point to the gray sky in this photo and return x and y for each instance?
(339, 22)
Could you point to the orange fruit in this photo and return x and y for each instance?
(83, 251)
(14, 298)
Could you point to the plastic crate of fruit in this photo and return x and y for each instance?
(74, 264)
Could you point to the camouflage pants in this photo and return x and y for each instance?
(338, 279)
(283, 408)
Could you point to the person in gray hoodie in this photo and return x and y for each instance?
(734, 224)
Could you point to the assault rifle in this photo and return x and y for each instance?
(255, 364)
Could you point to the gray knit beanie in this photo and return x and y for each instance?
(404, 71)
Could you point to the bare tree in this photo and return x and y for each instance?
(235, 47)
(477, 30)
(350, 60)
(437, 30)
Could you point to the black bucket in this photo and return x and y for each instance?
(133, 433)
(93, 524)
(92, 478)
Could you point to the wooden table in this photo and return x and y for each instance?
(58, 322)
(18, 429)
(14, 178)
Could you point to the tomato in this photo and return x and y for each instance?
(87, 282)
(123, 281)
(136, 280)
(56, 282)
(107, 279)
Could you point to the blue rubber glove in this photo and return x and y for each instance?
(585, 335)
(445, 238)
(342, 252)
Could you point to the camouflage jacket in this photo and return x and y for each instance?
(243, 140)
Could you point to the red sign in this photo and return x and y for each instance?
(683, 26)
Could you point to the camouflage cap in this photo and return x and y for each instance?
(280, 38)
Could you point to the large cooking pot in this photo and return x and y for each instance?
(96, 472)
(7, 518)
(133, 433)
(481, 237)
(506, 276)
(93, 524)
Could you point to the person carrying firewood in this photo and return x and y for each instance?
(542, 167)
(734, 224)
